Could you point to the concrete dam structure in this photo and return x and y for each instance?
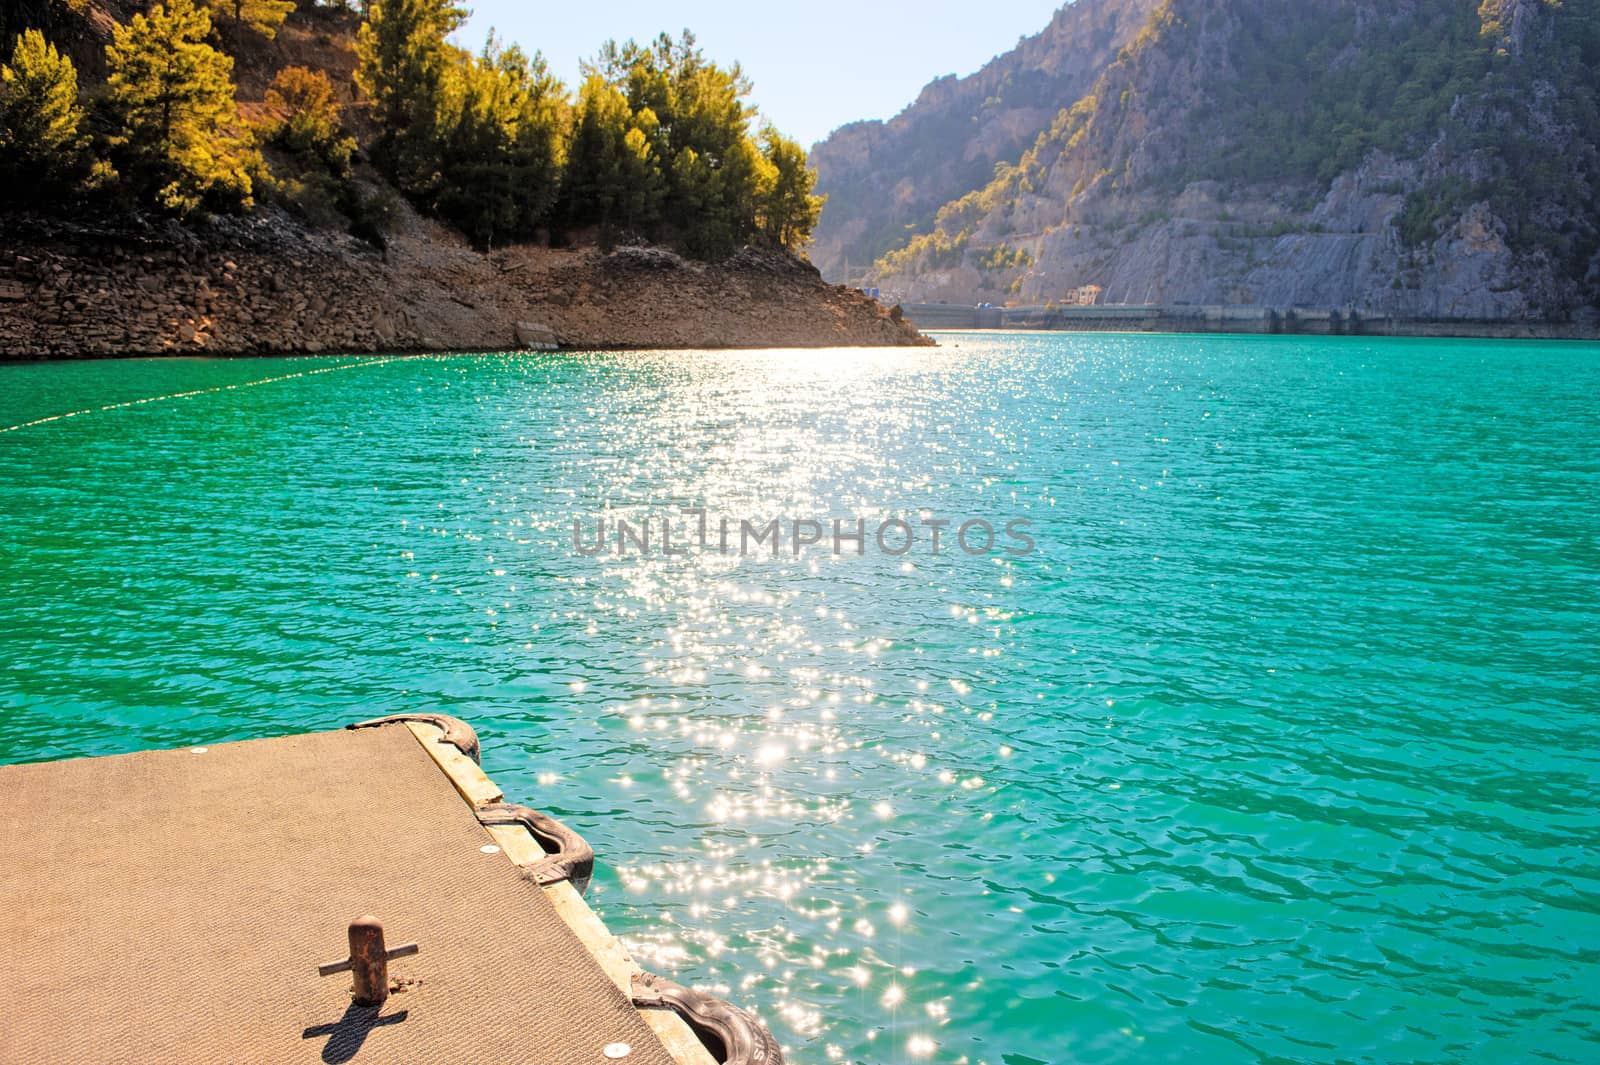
(1184, 318)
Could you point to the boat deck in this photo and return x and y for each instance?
(174, 906)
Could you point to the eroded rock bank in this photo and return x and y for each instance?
(266, 286)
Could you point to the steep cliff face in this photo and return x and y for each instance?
(883, 177)
(1426, 158)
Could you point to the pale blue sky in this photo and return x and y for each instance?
(815, 66)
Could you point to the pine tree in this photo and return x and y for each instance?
(644, 184)
(503, 130)
(312, 174)
(596, 163)
(694, 195)
(260, 16)
(743, 179)
(541, 125)
(42, 141)
(714, 180)
(304, 119)
(404, 60)
(171, 97)
(788, 209)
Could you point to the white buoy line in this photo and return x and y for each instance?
(198, 392)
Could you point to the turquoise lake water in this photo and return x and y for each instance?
(1283, 745)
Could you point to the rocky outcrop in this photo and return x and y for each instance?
(270, 286)
(881, 177)
(534, 336)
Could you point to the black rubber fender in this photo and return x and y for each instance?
(741, 1038)
(456, 731)
(567, 855)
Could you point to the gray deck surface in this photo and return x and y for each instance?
(172, 907)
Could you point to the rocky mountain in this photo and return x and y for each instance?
(887, 180)
(1423, 158)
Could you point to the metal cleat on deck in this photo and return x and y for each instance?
(368, 961)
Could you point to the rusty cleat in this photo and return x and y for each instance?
(368, 961)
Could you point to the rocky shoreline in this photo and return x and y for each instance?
(269, 286)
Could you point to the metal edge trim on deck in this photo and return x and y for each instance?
(522, 849)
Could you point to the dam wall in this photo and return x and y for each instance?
(1184, 318)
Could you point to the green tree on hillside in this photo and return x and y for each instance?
(704, 142)
(303, 118)
(503, 132)
(724, 192)
(403, 61)
(171, 98)
(718, 185)
(613, 178)
(657, 145)
(261, 16)
(42, 139)
(788, 209)
(311, 172)
(644, 184)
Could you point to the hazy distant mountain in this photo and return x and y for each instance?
(886, 180)
(1433, 157)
